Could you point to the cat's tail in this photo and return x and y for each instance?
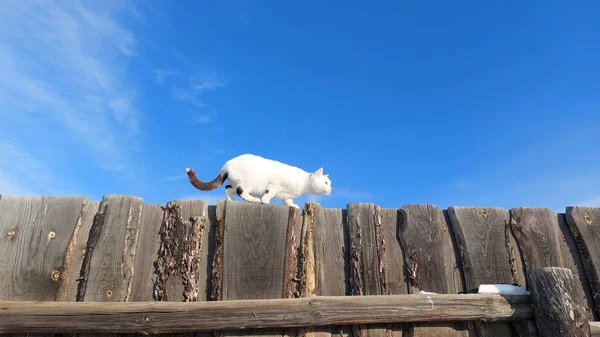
(209, 186)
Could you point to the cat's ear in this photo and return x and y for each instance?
(327, 175)
(318, 172)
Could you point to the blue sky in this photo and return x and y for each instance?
(442, 102)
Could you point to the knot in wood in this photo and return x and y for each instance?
(55, 275)
(147, 319)
(588, 219)
(11, 233)
(51, 235)
(484, 212)
(109, 293)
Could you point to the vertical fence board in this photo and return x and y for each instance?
(484, 252)
(330, 260)
(543, 244)
(375, 255)
(182, 252)
(254, 249)
(35, 233)
(430, 261)
(182, 257)
(584, 223)
(108, 263)
(76, 252)
(146, 253)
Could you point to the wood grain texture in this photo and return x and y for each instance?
(182, 252)
(543, 244)
(484, 252)
(331, 267)
(70, 277)
(366, 276)
(35, 233)
(108, 266)
(375, 254)
(481, 244)
(160, 317)
(584, 224)
(555, 306)
(254, 250)
(430, 260)
(146, 253)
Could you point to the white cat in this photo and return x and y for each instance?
(251, 176)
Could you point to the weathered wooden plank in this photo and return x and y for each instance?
(543, 244)
(160, 317)
(108, 267)
(324, 244)
(484, 252)
(555, 306)
(371, 234)
(146, 253)
(183, 252)
(254, 250)
(430, 260)
(35, 233)
(254, 254)
(584, 224)
(76, 252)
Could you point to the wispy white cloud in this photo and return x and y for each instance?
(187, 86)
(187, 96)
(21, 172)
(63, 69)
(161, 74)
(593, 201)
(207, 82)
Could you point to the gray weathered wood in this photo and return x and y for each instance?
(146, 253)
(371, 233)
(543, 244)
(254, 251)
(329, 260)
(430, 259)
(76, 252)
(160, 317)
(484, 251)
(584, 223)
(108, 266)
(555, 306)
(35, 233)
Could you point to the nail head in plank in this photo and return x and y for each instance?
(35, 233)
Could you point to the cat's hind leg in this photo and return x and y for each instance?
(245, 195)
(229, 192)
(270, 192)
(290, 202)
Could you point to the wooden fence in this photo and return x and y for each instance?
(122, 250)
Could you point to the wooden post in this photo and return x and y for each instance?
(555, 308)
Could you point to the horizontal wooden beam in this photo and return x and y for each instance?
(164, 317)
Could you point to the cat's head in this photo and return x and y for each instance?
(319, 182)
